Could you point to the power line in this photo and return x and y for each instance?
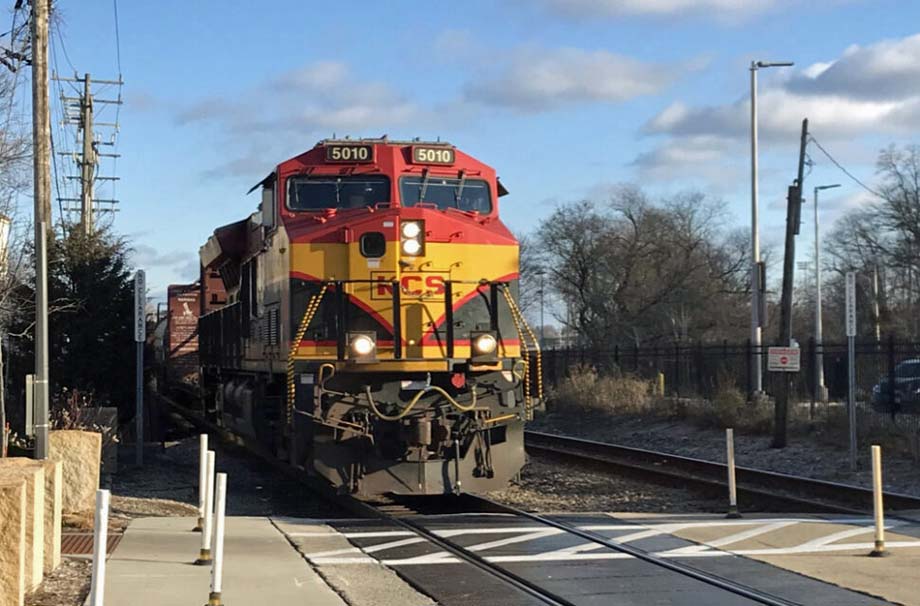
(118, 105)
(845, 171)
(117, 38)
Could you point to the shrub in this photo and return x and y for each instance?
(586, 390)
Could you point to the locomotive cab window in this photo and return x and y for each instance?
(324, 192)
(470, 195)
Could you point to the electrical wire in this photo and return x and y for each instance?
(844, 170)
(117, 38)
(118, 106)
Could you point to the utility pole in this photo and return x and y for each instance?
(80, 111)
(88, 160)
(793, 215)
(41, 168)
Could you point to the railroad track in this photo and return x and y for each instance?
(410, 514)
(396, 512)
(754, 485)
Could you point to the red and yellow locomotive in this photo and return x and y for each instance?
(364, 324)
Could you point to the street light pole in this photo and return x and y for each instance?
(819, 327)
(542, 324)
(756, 320)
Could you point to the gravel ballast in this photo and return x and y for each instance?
(805, 454)
(550, 486)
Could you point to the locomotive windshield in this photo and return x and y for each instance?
(322, 192)
(463, 194)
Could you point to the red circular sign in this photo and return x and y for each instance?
(783, 360)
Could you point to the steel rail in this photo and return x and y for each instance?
(757, 483)
(518, 582)
(684, 569)
(368, 510)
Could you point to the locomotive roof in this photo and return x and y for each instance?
(384, 140)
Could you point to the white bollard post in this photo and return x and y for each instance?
(202, 478)
(732, 486)
(217, 567)
(100, 547)
(878, 506)
(204, 557)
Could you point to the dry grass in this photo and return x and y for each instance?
(585, 390)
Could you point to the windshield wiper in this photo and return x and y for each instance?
(424, 188)
(459, 195)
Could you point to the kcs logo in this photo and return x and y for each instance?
(411, 284)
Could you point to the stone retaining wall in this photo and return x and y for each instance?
(80, 452)
(12, 541)
(34, 474)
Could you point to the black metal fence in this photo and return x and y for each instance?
(698, 370)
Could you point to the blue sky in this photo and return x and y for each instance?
(564, 97)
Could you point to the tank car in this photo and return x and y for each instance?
(363, 324)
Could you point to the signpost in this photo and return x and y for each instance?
(851, 366)
(140, 334)
(784, 359)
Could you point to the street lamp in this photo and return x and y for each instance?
(542, 273)
(5, 224)
(819, 353)
(756, 320)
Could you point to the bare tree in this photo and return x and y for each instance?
(885, 237)
(635, 271)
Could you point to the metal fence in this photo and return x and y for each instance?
(701, 370)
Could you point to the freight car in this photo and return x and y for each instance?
(363, 323)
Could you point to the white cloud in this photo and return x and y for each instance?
(780, 115)
(713, 160)
(317, 100)
(886, 70)
(867, 91)
(719, 9)
(314, 76)
(147, 256)
(538, 79)
(318, 97)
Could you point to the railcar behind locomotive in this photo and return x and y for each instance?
(363, 324)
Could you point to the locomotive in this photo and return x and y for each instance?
(363, 324)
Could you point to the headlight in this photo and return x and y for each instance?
(411, 247)
(485, 344)
(362, 346)
(411, 229)
(412, 236)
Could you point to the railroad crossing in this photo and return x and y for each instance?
(815, 559)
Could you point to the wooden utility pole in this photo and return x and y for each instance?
(41, 116)
(41, 168)
(87, 158)
(793, 221)
(88, 161)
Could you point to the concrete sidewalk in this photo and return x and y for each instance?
(152, 566)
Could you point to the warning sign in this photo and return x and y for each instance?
(783, 359)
